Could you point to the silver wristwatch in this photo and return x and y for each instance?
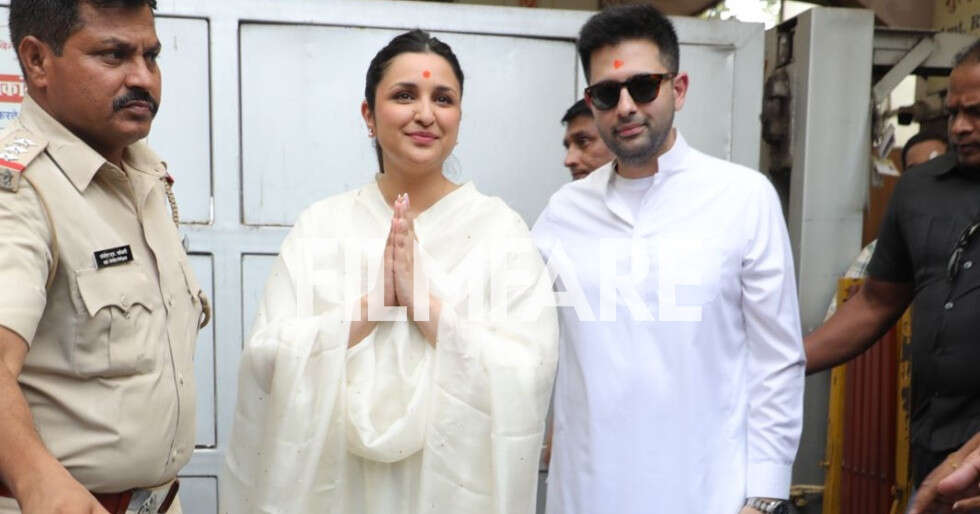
(768, 506)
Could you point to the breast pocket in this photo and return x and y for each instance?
(931, 242)
(115, 332)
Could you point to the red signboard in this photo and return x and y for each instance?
(12, 89)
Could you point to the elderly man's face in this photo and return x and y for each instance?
(963, 105)
(584, 149)
(105, 86)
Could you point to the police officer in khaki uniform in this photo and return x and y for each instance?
(99, 309)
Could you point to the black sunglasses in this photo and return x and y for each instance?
(643, 88)
(954, 264)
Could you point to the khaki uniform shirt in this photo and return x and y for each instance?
(109, 375)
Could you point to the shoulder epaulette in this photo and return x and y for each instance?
(18, 148)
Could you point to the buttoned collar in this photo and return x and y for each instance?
(671, 162)
(667, 164)
(78, 160)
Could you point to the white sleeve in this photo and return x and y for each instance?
(286, 446)
(776, 358)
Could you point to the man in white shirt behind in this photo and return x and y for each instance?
(680, 379)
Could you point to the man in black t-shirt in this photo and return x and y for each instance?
(927, 255)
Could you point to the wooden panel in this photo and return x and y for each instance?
(684, 7)
(867, 432)
(903, 478)
(878, 196)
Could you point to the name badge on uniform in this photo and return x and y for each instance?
(113, 256)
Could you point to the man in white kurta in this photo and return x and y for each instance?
(680, 377)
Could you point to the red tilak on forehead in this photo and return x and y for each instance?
(617, 64)
(426, 73)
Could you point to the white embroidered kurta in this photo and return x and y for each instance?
(394, 425)
(685, 392)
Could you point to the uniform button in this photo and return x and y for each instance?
(180, 378)
(170, 301)
(948, 306)
(967, 264)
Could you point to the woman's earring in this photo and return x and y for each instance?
(370, 132)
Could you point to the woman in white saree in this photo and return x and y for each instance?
(404, 353)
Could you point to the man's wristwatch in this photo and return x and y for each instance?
(768, 506)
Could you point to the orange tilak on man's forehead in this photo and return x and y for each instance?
(426, 74)
(617, 64)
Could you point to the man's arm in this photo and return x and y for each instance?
(38, 481)
(775, 360)
(857, 324)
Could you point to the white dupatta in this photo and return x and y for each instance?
(394, 425)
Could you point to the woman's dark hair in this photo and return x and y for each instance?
(413, 41)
